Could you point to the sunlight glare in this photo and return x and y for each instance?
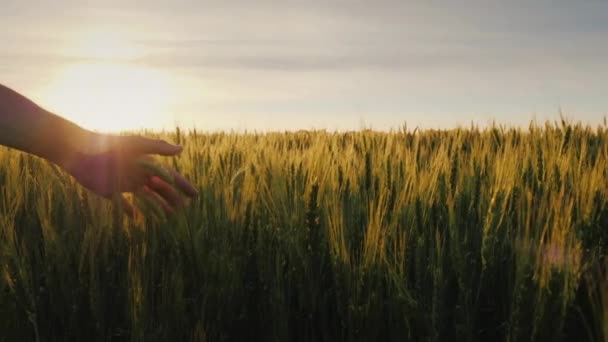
(105, 89)
(112, 97)
(102, 44)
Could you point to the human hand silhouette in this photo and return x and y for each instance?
(114, 165)
(108, 165)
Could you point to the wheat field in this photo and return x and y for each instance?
(470, 234)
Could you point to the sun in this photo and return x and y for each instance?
(111, 97)
(107, 90)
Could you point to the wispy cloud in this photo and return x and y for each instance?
(386, 56)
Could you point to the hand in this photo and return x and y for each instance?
(113, 165)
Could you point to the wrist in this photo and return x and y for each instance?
(79, 146)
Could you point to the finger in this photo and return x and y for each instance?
(143, 145)
(135, 180)
(155, 169)
(155, 200)
(136, 176)
(166, 191)
(183, 184)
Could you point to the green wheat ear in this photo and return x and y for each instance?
(156, 170)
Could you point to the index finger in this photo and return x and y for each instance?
(169, 175)
(142, 145)
(154, 169)
(183, 184)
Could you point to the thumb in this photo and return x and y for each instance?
(143, 145)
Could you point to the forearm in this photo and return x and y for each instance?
(28, 127)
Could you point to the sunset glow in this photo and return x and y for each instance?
(111, 97)
(328, 66)
(102, 44)
(103, 89)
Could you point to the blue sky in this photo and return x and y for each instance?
(270, 65)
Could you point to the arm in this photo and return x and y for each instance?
(27, 127)
(105, 164)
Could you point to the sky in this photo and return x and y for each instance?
(288, 65)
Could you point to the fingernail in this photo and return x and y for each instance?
(177, 148)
